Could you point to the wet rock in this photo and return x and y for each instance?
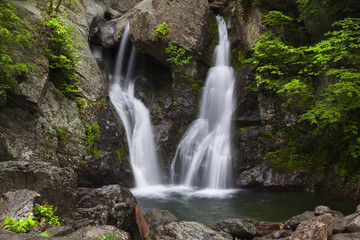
(108, 205)
(54, 184)
(267, 227)
(294, 222)
(18, 204)
(264, 175)
(141, 223)
(345, 236)
(280, 234)
(95, 232)
(237, 228)
(320, 210)
(352, 223)
(111, 14)
(188, 27)
(156, 217)
(60, 231)
(317, 228)
(186, 230)
(339, 224)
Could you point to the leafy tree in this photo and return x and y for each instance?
(320, 82)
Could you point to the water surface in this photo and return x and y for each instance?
(209, 206)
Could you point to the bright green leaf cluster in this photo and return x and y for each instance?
(46, 212)
(63, 45)
(107, 237)
(162, 30)
(177, 55)
(18, 225)
(92, 132)
(276, 18)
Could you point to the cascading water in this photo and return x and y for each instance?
(135, 117)
(203, 157)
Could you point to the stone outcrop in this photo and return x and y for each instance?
(267, 176)
(237, 228)
(108, 205)
(186, 230)
(157, 217)
(318, 228)
(54, 184)
(95, 232)
(18, 204)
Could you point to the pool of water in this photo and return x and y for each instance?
(209, 206)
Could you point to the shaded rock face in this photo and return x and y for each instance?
(237, 228)
(108, 205)
(186, 230)
(95, 232)
(54, 184)
(345, 236)
(18, 204)
(157, 217)
(293, 222)
(265, 175)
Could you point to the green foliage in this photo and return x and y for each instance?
(162, 30)
(14, 36)
(92, 132)
(63, 45)
(62, 131)
(276, 18)
(321, 83)
(46, 212)
(177, 55)
(107, 237)
(319, 8)
(18, 225)
(44, 234)
(176, 105)
(54, 5)
(81, 103)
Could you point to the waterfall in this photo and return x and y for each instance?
(203, 157)
(135, 117)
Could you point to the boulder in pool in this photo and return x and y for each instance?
(237, 228)
(157, 217)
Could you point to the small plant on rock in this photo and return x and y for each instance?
(46, 212)
(92, 132)
(162, 30)
(177, 56)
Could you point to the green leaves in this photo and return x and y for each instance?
(177, 55)
(63, 45)
(92, 132)
(162, 30)
(46, 212)
(322, 83)
(18, 225)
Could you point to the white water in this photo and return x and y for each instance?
(135, 117)
(203, 157)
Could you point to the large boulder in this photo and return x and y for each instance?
(108, 205)
(95, 232)
(54, 184)
(345, 236)
(186, 230)
(157, 217)
(265, 175)
(238, 228)
(188, 22)
(317, 228)
(18, 204)
(294, 221)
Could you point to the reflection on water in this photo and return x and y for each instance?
(209, 206)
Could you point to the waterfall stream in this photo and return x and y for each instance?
(135, 117)
(203, 157)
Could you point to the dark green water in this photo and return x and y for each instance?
(261, 205)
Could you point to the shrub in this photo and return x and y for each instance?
(18, 225)
(92, 132)
(62, 131)
(63, 45)
(177, 55)
(46, 212)
(162, 30)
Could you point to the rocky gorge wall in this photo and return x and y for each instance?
(33, 156)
